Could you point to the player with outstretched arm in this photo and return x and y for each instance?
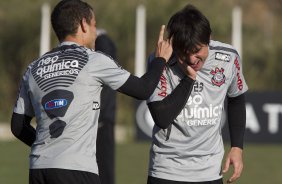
(62, 88)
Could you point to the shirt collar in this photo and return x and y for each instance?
(68, 43)
(172, 60)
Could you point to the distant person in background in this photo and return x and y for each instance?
(106, 138)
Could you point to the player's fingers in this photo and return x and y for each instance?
(232, 178)
(191, 72)
(161, 35)
(226, 166)
(170, 42)
(237, 173)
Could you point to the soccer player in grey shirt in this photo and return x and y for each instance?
(62, 91)
(187, 145)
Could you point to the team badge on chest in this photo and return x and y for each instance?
(218, 77)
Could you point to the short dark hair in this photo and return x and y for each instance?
(67, 15)
(188, 28)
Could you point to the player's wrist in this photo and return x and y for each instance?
(237, 149)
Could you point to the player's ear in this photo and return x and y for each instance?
(83, 25)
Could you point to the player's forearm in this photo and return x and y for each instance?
(142, 88)
(237, 120)
(21, 128)
(165, 111)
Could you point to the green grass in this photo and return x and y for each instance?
(263, 163)
(132, 163)
(13, 162)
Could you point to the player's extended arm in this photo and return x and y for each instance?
(165, 111)
(21, 128)
(237, 124)
(142, 88)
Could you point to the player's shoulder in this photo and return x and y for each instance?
(217, 46)
(100, 59)
(31, 65)
(97, 56)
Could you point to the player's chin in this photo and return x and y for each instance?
(197, 67)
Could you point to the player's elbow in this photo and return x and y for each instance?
(159, 115)
(163, 125)
(161, 122)
(16, 125)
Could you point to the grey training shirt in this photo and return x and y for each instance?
(62, 90)
(192, 150)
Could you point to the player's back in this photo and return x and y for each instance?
(65, 99)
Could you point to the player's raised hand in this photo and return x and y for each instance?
(164, 48)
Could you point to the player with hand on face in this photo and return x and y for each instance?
(187, 145)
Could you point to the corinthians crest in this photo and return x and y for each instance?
(218, 77)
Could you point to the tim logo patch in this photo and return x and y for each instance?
(218, 77)
(56, 103)
(222, 56)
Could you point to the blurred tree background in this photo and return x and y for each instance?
(262, 43)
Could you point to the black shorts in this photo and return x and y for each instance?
(153, 180)
(62, 176)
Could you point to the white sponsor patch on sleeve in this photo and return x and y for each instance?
(222, 56)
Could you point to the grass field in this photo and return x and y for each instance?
(263, 163)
